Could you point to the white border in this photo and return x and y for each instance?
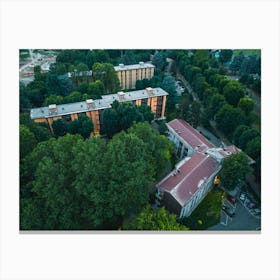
(146, 24)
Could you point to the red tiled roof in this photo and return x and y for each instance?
(190, 135)
(192, 173)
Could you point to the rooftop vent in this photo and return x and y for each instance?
(121, 95)
(149, 90)
(121, 65)
(90, 103)
(53, 108)
(141, 63)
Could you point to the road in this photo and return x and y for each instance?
(187, 86)
(212, 138)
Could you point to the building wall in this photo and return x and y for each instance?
(128, 77)
(182, 148)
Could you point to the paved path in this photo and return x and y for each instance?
(212, 138)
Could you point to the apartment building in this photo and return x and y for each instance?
(129, 74)
(153, 97)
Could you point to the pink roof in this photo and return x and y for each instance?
(192, 173)
(190, 135)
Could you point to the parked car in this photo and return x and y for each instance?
(231, 199)
(242, 196)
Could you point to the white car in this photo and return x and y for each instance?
(242, 196)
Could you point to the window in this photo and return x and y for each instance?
(144, 101)
(159, 106)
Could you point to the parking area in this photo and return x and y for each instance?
(241, 215)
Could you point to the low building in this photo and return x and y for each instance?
(153, 97)
(187, 139)
(129, 74)
(184, 188)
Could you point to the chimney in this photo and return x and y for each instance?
(53, 109)
(90, 103)
(149, 90)
(121, 95)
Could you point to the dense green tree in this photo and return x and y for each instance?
(145, 110)
(219, 81)
(216, 103)
(110, 122)
(106, 73)
(53, 184)
(121, 179)
(254, 148)
(31, 216)
(236, 63)
(190, 72)
(139, 85)
(158, 148)
(40, 130)
(127, 156)
(234, 169)
(83, 87)
(52, 84)
(159, 60)
(23, 98)
(60, 127)
(201, 57)
(199, 85)
(83, 126)
(194, 115)
(168, 84)
(127, 114)
(233, 91)
(96, 89)
(225, 55)
(210, 72)
(27, 141)
(246, 137)
(238, 132)
(229, 118)
(246, 104)
(54, 99)
(149, 219)
(101, 56)
(129, 57)
(207, 95)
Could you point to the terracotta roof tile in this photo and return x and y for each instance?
(190, 135)
(192, 173)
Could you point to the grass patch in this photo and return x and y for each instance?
(207, 213)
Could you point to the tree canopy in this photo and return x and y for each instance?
(234, 169)
(106, 73)
(122, 115)
(149, 219)
(72, 183)
(229, 118)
